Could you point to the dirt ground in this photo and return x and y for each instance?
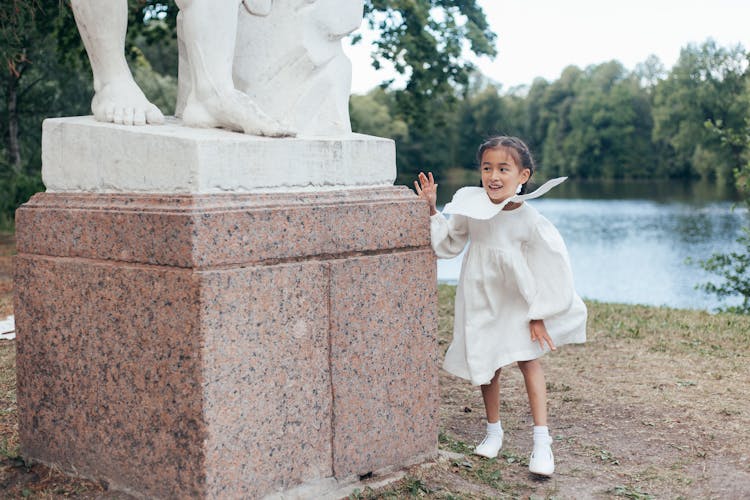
(654, 405)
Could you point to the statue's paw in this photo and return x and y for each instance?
(273, 130)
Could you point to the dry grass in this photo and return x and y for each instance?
(7, 251)
(654, 405)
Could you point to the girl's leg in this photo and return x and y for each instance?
(493, 440)
(536, 388)
(491, 397)
(542, 461)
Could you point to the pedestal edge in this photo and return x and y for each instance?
(204, 231)
(82, 154)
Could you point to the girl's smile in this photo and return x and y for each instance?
(501, 174)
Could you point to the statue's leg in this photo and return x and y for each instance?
(209, 29)
(117, 98)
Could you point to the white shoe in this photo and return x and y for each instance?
(542, 461)
(490, 445)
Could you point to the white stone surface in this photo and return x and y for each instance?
(292, 64)
(7, 328)
(80, 154)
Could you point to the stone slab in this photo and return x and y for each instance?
(217, 230)
(267, 382)
(80, 154)
(381, 333)
(230, 376)
(109, 372)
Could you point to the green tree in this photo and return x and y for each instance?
(42, 77)
(485, 112)
(733, 268)
(610, 126)
(702, 87)
(151, 47)
(426, 41)
(371, 114)
(734, 271)
(650, 72)
(535, 117)
(554, 125)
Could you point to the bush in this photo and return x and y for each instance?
(734, 268)
(15, 189)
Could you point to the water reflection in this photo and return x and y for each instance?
(635, 250)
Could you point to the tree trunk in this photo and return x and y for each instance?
(14, 145)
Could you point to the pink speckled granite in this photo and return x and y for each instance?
(383, 323)
(267, 381)
(109, 372)
(216, 230)
(226, 346)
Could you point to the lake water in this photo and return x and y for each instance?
(630, 242)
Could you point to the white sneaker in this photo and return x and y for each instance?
(542, 462)
(490, 445)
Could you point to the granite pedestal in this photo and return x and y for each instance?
(208, 345)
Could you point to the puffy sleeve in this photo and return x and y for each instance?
(549, 264)
(449, 236)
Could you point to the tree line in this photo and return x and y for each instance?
(600, 122)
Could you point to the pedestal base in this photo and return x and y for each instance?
(226, 346)
(80, 154)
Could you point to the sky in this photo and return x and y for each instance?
(539, 38)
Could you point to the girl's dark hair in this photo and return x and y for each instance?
(516, 147)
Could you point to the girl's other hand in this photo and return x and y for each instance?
(539, 334)
(427, 190)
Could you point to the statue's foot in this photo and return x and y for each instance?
(234, 110)
(123, 102)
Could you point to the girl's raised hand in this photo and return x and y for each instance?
(427, 190)
(539, 334)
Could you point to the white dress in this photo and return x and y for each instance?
(516, 269)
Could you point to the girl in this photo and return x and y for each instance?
(515, 298)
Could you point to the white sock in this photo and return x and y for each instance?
(541, 434)
(494, 429)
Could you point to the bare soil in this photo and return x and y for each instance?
(654, 405)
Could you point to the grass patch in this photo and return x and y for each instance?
(449, 443)
(408, 487)
(673, 330)
(477, 469)
(629, 492)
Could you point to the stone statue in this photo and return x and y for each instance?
(285, 54)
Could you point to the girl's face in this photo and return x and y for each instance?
(501, 175)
